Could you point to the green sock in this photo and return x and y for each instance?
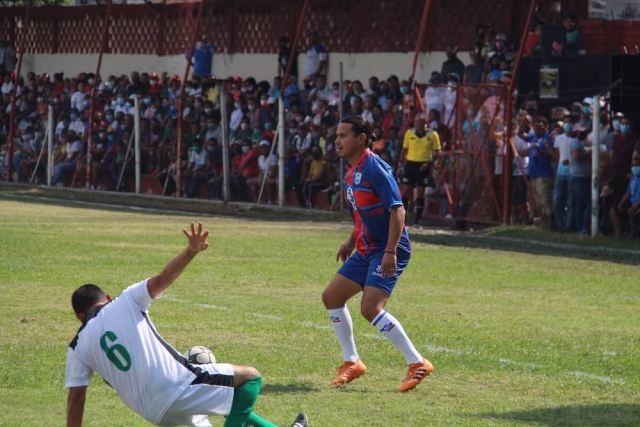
(244, 398)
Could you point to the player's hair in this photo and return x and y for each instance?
(86, 296)
(360, 125)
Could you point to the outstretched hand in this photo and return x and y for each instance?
(197, 239)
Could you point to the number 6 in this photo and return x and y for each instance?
(114, 351)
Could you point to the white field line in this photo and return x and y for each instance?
(429, 348)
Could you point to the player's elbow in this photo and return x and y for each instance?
(398, 211)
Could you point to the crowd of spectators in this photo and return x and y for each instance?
(553, 145)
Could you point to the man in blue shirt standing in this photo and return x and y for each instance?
(317, 57)
(541, 173)
(202, 58)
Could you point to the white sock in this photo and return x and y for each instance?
(343, 327)
(393, 331)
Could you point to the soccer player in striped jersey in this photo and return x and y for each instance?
(383, 249)
(118, 341)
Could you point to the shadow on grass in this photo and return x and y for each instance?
(600, 415)
(286, 388)
(531, 247)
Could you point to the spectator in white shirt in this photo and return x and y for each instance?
(268, 165)
(122, 105)
(321, 91)
(78, 98)
(75, 123)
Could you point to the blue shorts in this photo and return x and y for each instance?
(365, 270)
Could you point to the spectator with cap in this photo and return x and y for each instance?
(615, 122)
(155, 86)
(501, 48)
(317, 58)
(587, 113)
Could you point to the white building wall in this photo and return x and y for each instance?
(260, 66)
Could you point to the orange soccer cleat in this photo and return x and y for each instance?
(348, 372)
(415, 374)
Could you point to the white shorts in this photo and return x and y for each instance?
(201, 399)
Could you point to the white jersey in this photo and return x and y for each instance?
(120, 343)
(264, 163)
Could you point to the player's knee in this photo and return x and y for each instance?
(369, 311)
(242, 374)
(328, 299)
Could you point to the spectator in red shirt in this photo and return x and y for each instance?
(154, 84)
(531, 44)
(247, 168)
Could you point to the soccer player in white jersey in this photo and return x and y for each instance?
(118, 341)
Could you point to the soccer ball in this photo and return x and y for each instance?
(200, 355)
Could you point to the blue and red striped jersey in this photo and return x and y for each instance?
(371, 192)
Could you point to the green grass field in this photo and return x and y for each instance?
(518, 337)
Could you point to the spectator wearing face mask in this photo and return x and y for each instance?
(66, 162)
(121, 104)
(615, 123)
(155, 86)
(244, 169)
(622, 150)
(587, 112)
(434, 94)
(75, 123)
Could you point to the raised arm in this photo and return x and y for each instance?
(197, 243)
